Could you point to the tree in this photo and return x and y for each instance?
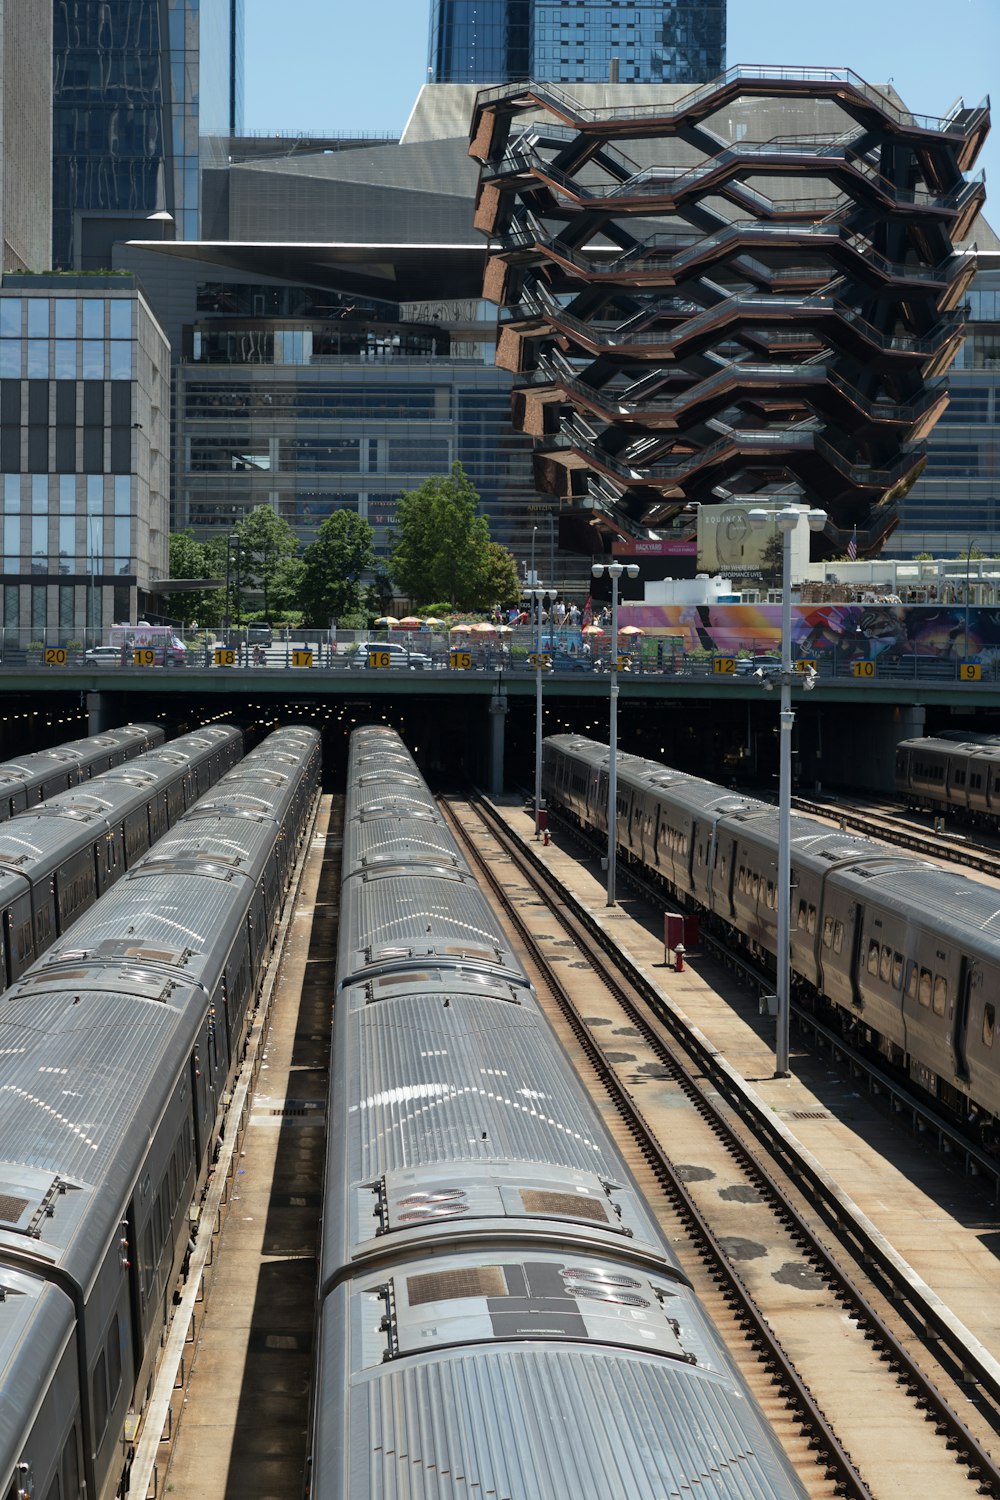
(500, 577)
(332, 566)
(442, 544)
(190, 558)
(772, 559)
(269, 545)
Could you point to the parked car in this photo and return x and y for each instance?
(103, 656)
(400, 655)
(259, 633)
(747, 665)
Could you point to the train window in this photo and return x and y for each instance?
(989, 1024)
(940, 994)
(925, 986)
(885, 965)
(812, 918)
(755, 886)
(897, 970)
(70, 1467)
(148, 1259)
(827, 931)
(911, 982)
(100, 1393)
(838, 936)
(801, 921)
(114, 1349)
(873, 957)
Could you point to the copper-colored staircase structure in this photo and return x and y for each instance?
(691, 310)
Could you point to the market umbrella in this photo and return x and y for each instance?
(483, 627)
(504, 630)
(459, 629)
(432, 623)
(631, 630)
(409, 622)
(389, 620)
(592, 630)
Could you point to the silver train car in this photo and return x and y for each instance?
(498, 1311)
(953, 774)
(117, 1050)
(58, 857)
(29, 779)
(903, 954)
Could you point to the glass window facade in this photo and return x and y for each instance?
(957, 498)
(135, 90)
(575, 41)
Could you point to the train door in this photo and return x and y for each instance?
(967, 979)
(857, 917)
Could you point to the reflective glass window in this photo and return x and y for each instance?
(95, 494)
(123, 495)
(93, 318)
(66, 318)
(38, 359)
(67, 495)
(120, 314)
(65, 359)
(39, 494)
(38, 317)
(10, 317)
(10, 359)
(120, 357)
(123, 540)
(93, 359)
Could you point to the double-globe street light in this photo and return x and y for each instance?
(614, 572)
(787, 520)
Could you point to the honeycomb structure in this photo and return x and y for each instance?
(751, 288)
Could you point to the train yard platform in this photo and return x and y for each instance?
(944, 1226)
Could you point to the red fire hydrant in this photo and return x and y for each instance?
(679, 959)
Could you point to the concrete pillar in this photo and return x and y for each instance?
(494, 775)
(98, 713)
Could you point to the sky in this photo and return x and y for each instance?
(333, 67)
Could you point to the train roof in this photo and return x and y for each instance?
(82, 1073)
(957, 907)
(390, 915)
(984, 747)
(36, 1325)
(399, 839)
(581, 1373)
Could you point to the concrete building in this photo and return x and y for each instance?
(25, 135)
(84, 434)
(582, 41)
(143, 97)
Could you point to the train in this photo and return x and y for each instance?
(498, 1311)
(117, 1051)
(952, 772)
(899, 952)
(59, 856)
(29, 779)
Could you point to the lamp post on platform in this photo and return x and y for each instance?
(787, 520)
(614, 572)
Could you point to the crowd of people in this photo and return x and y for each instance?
(555, 611)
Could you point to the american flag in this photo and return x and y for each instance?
(588, 612)
(852, 546)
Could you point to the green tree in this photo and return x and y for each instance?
(190, 558)
(269, 545)
(501, 583)
(332, 567)
(772, 559)
(442, 544)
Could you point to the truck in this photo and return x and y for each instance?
(169, 649)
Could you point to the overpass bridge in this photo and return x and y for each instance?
(482, 722)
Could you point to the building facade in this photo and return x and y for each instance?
(955, 504)
(577, 41)
(142, 94)
(84, 436)
(26, 140)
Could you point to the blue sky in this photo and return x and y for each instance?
(331, 66)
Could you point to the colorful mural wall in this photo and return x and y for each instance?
(854, 631)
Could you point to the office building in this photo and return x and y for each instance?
(143, 96)
(754, 306)
(577, 41)
(84, 435)
(26, 144)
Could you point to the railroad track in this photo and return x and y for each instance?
(882, 824)
(896, 1341)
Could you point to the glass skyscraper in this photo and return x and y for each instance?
(576, 41)
(137, 90)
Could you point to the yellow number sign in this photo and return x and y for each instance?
(542, 659)
(624, 662)
(863, 668)
(461, 660)
(55, 656)
(804, 664)
(724, 664)
(144, 656)
(970, 671)
(225, 657)
(302, 658)
(380, 659)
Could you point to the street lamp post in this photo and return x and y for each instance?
(614, 572)
(787, 520)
